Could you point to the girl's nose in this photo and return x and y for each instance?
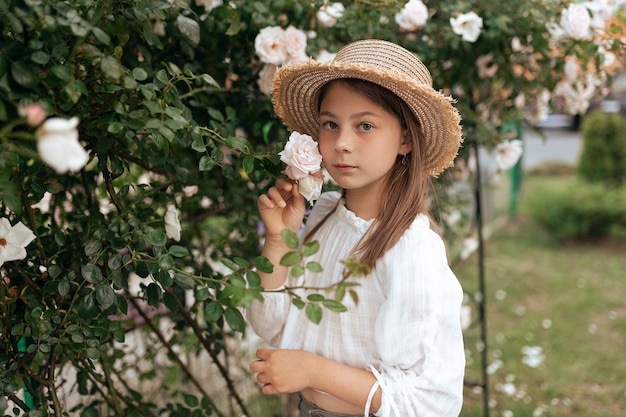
(343, 142)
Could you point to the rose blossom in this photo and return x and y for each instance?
(295, 44)
(329, 13)
(266, 78)
(576, 22)
(508, 153)
(413, 15)
(301, 156)
(468, 25)
(172, 223)
(34, 114)
(324, 56)
(310, 187)
(270, 46)
(58, 146)
(13, 240)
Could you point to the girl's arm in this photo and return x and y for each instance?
(286, 371)
(281, 208)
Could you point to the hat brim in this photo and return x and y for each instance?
(296, 95)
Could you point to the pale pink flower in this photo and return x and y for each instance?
(310, 187)
(468, 25)
(266, 78)
(172, 223)
(329, 13)
(570, 69)
(13, 240)
(576, 22)
(486, 67)
(301, 156)
(209, 4)
(508, 153)
(190, 190)
(413, 16)
(58, 146)
(34, 114)
(295, 43)
(324, 56)
(270, 46)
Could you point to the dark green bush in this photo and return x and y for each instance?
(578, 210)
(603, 158)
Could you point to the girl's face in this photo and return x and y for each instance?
(359, 140)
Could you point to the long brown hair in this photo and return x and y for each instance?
(407, 184)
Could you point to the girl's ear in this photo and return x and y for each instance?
(405, 146)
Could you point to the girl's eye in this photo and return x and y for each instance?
(366, 127)
(329, 125)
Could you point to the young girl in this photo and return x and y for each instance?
(383, 131)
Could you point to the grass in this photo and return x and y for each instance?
(562, 301)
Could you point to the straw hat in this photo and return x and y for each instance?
(297, 86)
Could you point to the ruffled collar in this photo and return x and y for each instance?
(348, 217)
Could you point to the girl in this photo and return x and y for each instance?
(383, 131)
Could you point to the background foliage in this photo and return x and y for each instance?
(171, 113)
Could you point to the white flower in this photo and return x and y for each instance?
(508, 153)
(266, 78)
(209, 4)
(13, 240)
(172, 223)
(329, 13)
(576, 22)
(570, 69)
(468, 246)
(468, 25)
(578, 95)
(269, 45)
(324, 56)
(533, 356)
(413, 15)
(58, 146)
(310, 187)
(295, 44)
(301, 156)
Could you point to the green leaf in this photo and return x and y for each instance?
(198, 145)
(189, 28)
(314, 267)
(40, 57)
(153, 292)
(166, 261)
(291, 238)
(202, 294)
(62, 72)
(314, 313)
(213, 311)
(206, 163)
(310, 248)
(315, 298)
(93, 353)
(140, 74)
(24, 75)
(156, 237)
(101, 36)
(91, 273)
(237, 143)
(178, 251)
(263, 264)
(74, 90)
(184, 281)
(243, 263)
(254, 280)
(229, 264)
(191, 400)
(92, 247)
(115, 127)
(235, 319)
(105, 295)
(215, 114)
(111, 68)
(298, 303)
(290, 259)
(334, 305)
(297, 271)
(248, 164)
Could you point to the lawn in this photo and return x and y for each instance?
(556, 323)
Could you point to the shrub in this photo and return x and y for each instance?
(604, 148)
(579, 210)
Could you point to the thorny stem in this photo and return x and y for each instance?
(114, 399)
(173, 354)
(50, 385)
(223, 371)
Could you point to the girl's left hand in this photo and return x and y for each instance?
(282, 371)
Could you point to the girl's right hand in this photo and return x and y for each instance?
(281, 208)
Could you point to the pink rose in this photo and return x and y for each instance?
(576, 22)
(269, 45)
(301, 156)
(34, 114)
(266, 78)
(310, 187)
(295, 42)
(508, 153)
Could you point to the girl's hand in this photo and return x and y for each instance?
(283, 371)
(281, 208)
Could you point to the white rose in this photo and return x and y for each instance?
(576, 22)
(58, 146)
(295, 44)
(13, 240)
(508, 153)
(413, 15)
(324, 56)
(310, 187)
(172, 223)
(301, 156)
(269, 45)
(328, 14)
(266, 78)
(468, 25)
(570, 69)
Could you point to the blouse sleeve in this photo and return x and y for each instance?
(418, 331)
(267, 318)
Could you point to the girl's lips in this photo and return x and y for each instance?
(340, 167)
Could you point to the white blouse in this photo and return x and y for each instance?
(405, 327)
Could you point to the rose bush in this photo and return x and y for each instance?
(156, 222)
